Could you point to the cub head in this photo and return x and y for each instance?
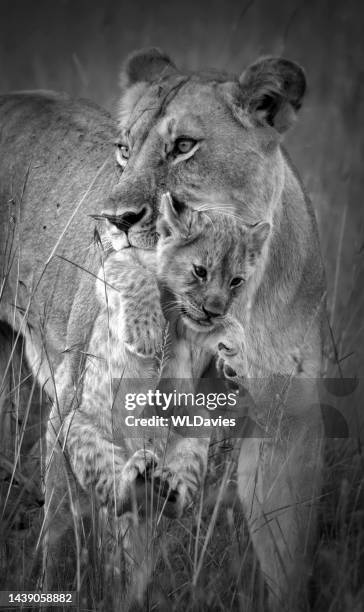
(206, 138)
(205, 259)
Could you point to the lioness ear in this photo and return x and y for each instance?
(146, 65)
(258, 236)
(272, 90)
(175, 218)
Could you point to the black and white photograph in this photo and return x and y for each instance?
(181, 305)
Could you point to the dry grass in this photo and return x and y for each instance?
(205, 561)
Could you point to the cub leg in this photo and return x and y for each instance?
(186, 458)
(180, 476)
(92, 453)
(107, 480)
(61, 530)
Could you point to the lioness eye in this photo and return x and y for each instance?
(236, 282)
(122, 154)
(184, 145)
(200, 271)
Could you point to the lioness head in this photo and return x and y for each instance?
(210, 140)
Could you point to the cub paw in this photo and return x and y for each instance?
(145, 337)
(176, 488)
(172, 493)
(231, 362)
(133, 480)
(142, 463)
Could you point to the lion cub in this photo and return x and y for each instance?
(204, 262)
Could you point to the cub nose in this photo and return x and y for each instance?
(125, 221)
(214, 309)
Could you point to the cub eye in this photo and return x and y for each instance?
(122, 154)
(200, 271)
(184, 145)
(236, 282)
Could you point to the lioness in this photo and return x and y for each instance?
(204, 138)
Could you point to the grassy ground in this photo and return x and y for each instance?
(205, 561)
(202, 563)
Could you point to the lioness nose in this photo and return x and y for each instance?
(125, 221)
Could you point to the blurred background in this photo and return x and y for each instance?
(78, 46)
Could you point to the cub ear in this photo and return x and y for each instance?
(146, 65)
(175, 218)
(272, 90)
(258, 236)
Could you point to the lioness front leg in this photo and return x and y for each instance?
(279, 483)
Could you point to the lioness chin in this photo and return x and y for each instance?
(204, 138)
